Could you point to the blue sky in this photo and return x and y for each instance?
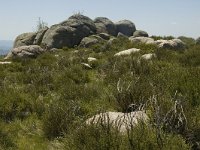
(157, 17)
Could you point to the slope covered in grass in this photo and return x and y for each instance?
(44, 102)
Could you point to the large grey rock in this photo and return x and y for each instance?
(175, 44)
(91, 59)
(126, 27)
(80, 22)
(86, 66)
(24, 39)
(123, 121)
(31, 38)
(179, 44)
(140, 33)
(88, 41)
(144, 40)
(96, 37)
(148, 56)
(39, 36)
(104, 25)
(127, 52)
(121, 35)
(69, 33)
(25, 51)
(59, 36)
(104, 36)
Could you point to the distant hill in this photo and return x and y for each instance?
(5, 46)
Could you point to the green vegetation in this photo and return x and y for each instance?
(44, 102)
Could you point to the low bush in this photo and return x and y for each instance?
(187, 40)
(103, 137)
(191, 57)
(6, 143)
(59, 118)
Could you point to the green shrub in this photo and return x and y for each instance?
(14, 104)
(142, 137)
(5, 141)
(59, 118)
(191, 57)
(162, 37)
(187, 40)
(198, 41)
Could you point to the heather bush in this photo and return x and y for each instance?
(59, 117)
(187, 40)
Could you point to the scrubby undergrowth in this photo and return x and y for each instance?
(44, 102)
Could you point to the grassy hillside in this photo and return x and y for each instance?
(44, 102)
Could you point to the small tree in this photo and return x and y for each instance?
(41, 24)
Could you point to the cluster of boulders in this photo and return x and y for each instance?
(25, 52)
(31, 38)
(72, 32)
(175, 44)
(80, 30)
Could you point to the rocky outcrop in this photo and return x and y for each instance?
(175, 44)
(127, 52)
(80, 22)
(32, 38)
(123, 121)
(126, 27)
(105, 25)
(144, 40)
(140, 33)
(69, 33)
(25, 39)
(80, 30)
(83, 31)
(59, 36)
(31, 51)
